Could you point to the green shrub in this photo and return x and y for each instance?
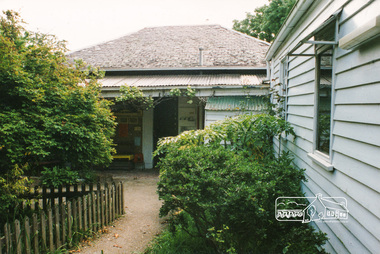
(223, 181)
(58, 176)
(12, 185)
(250, 135)
(179, 242)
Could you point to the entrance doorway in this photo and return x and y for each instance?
(165, 121)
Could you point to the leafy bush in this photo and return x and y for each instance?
(250, 135)
(58, 176)
(179, 242)
(50, 109)
(12, 185)
(225, 179)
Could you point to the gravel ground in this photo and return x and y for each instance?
(132, 232)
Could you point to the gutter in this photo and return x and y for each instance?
(184, 69)
(298, 11)
(149, 88)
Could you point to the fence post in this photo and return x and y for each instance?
(122, 198)
(51, 233)
(110, 203)
(63, 219)
(99, 205)
(27, 236)
(113, 200)
(8, 237)
(43, 230)
(102, 206)
(57, 226)
(118, 199)
(35, 231)
(75, 220)
(18, 236)
(106, 203)
(80, 218)
(94, 221)
(121, 208)
(89, 208)
(69, 224)
(84, 198)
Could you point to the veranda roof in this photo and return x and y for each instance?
(211, 80)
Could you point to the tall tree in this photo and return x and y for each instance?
(266, 21)
(50, 109)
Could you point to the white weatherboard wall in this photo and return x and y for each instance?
(355, 143)
(216, 115)
(212, 116)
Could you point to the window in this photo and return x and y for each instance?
(284, 87)
(324, 41)
(324, 91)
(324, 50)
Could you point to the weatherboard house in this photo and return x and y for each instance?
(227, 70)
(325, 64)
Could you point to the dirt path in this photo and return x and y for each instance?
(132, 232)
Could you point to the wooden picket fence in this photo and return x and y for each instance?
(63, 217)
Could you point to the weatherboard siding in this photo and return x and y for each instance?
(212, 116)
(356, 125)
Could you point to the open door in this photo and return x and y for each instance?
(165, 121)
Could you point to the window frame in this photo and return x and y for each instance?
(317, 106)
(319, 157)
(284, 88)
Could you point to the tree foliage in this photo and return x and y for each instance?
(50, 109)
(133, 99)
(266, 21)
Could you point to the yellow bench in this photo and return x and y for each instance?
(124, 156)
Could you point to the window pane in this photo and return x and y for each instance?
(324, 102)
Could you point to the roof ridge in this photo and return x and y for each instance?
(182, 26)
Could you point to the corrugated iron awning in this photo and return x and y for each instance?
(184, 80)
(236, 103)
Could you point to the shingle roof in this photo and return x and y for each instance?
(184, 80)
(177, 47)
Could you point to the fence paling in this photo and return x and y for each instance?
(63, 221)
(35, 231)
(57, 226)
(89, 212)
(69, 224)
(8, 238)
(27, 236)
(85, 213)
